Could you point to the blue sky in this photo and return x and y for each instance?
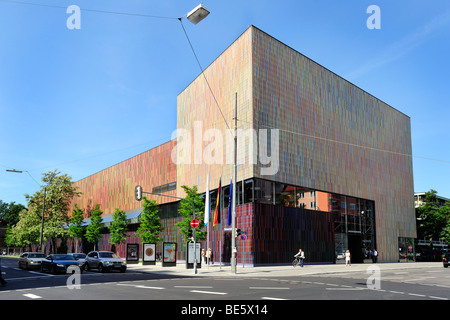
(83, 100)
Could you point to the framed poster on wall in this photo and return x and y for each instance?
(169, 254)
(132, 253)
(149, 253)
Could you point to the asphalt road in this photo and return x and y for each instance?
(431, 284)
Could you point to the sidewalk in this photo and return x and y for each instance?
(277, 271)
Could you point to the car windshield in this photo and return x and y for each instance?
(79, 255)
(36, 255)
(108, 255)
(62, 257)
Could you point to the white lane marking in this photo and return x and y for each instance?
(270, 298)
(32, 296)
(268, 288)
(208, 292)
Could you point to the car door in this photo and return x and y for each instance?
(22, 259)
(92, 259)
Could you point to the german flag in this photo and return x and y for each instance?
(218, 206)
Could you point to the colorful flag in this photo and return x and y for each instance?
(218, 207)
(207, 205)
(230, 204)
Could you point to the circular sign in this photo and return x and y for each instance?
(194, 223)
(243, 237)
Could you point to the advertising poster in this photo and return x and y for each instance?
(149, 256)
(169, 254)
(132, 253)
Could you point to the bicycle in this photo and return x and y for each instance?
(296, 262)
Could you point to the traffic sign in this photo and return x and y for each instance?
(194, 223)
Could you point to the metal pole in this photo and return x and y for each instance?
(233, 216)
(42, 220)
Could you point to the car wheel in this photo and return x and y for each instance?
(100, 268)
(445, 265)
(53, 270)
(86, 266)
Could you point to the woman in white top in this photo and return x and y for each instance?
(347, 258)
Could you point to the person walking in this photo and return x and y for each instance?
(300, 256)
(203, 256)
(208, 256)
(348, 258)
(374, 256)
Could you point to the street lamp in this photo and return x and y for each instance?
(197, 14)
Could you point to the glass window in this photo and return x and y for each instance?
(264, 191)
(248, 191)
(284, 195)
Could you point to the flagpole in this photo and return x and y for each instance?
(233, 219)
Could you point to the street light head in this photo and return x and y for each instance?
(14, 170)
(198, 14)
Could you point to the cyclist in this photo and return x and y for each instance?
(300, 256)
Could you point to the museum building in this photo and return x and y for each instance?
(322, 165)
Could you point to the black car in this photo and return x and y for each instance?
(63, 263)
(446, 260)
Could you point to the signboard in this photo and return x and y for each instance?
(132, 253)
(149, 254)
(169, 254)
(194, 223)
(190, 255)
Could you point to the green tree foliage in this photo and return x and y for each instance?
(76, 228)
(58, 191)
(26, 232)
(9, 213)
(150, 228)
(433, 219)
(94, 228)
(185, 210)
(119, 227)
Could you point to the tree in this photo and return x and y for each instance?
(150, 228)
(76, 228)
(9, 213)
(118, 228)
(94, 228)
(433, 219)
(185, 210)
(58, 192)
(26, 232)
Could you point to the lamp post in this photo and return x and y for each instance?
(43, 208)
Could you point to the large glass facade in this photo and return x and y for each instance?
(354, 226)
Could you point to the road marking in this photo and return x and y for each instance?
(338, 289)
(138, 286)
(270, 298)
(432, 297)
(32, 296)
(208, 292)
(268, 288)
(417, 295)
(194, 287)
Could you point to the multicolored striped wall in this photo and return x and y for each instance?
(113, 187)
(334, 136)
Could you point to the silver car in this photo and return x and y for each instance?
(104, 261)
(31, 260)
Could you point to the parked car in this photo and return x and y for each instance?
(80, 257)
(446, 260)
(104, 261)
(31, 260)
(55, 263)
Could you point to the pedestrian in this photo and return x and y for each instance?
(208, 255)
(374, 256)
(203, 256)
(347, 258)
(300, 256)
